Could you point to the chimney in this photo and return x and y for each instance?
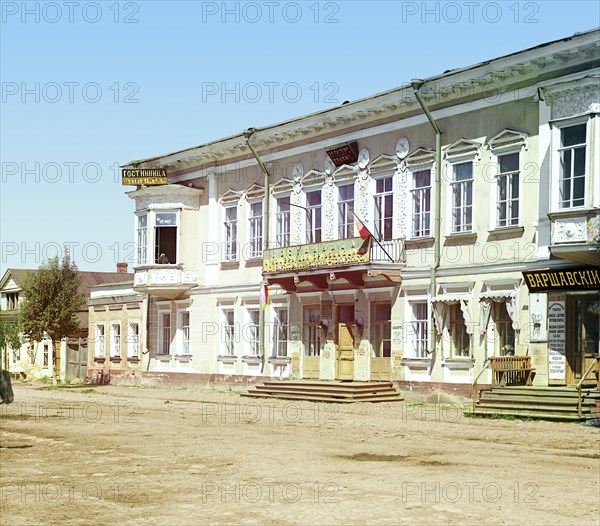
(122, 268)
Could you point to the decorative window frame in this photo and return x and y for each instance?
(461, 151)
(505, 143)
(591, 121)
(420, 160)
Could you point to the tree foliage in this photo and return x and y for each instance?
(10, 338)
(51, 300)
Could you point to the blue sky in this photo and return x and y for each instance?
(87, 87)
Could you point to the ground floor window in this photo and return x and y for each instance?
(46, 354)
(133, 350)
(381, 329)
(165, 333)
(503, 328)
(99, 340)
(253, 332)
(229, 332)
(312, 330)
(115, 339)
(280, 332)
(460, 342)
(419, 330)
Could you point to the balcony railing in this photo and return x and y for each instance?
(167, 281)
(333, 254)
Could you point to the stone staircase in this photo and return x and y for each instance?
(333, 391)
(545, 403)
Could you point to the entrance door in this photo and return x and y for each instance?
(583, 327)
(345, 343)
(380, 336)
(312, 342)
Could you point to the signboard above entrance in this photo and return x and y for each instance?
(564, 279)
(346, 154)
(143, 176)
(330, 254)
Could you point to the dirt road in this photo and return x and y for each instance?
(119, 455)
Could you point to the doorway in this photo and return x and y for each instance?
(381, 340)
(582, 334)
(345, 342)
(311, 361)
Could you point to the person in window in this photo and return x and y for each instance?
(163, 259)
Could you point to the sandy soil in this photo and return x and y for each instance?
(119, 455)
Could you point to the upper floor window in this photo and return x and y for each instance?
(313, 227)
(462, 197)
(256, 229)
(142, 239)
(165, 238)
(572, 151)
(507, 182)
(12, 300)
(421, 203)
(282, 237)
(345, 210)
(230, 225)
(384, 208)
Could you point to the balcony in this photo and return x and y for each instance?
(576, 236)
(165, 281)
(319, 264)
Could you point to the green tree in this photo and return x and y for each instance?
(9, 339)
(51, 302)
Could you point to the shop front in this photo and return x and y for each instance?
(572, 296)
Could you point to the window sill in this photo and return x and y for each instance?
(133, 359)
(252, 360)
(226, 265)
(416, 363)
(254, 262)
(280, 360)
(163, 357)
(462, 235)
(116, 359)
(227, 359)
(99, 359)
(575, 211)
(417, 242)
(459, 363)
(183, 357)
(513, 229)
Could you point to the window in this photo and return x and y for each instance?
(421, 204)
(229, 332)
(345, 210)
(508, 190)
(381, 329)
(256, 230)
(231, 233)
(459, 338)
(282, 237)
(420, 329)
(504, 332)
(384, 208)
(462, 197)
(312, 331)
(252, 333)
(12, 300)
(165, 334)
(313, 227)
(46, 354)
(100, 340)
(133, 348)
(165, 238)
(572, 166)
(142, 239)
(115, 339)
(280, 333)
(185, 332)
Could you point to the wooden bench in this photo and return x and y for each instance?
(511, 370)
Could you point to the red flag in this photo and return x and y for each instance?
(363, 231)
(264, 295)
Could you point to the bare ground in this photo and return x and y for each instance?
(160, 456)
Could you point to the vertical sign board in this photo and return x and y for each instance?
(556, 340)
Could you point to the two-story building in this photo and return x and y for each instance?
(389, 235)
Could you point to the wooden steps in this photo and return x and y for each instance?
(545, 403)
(334, 391)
